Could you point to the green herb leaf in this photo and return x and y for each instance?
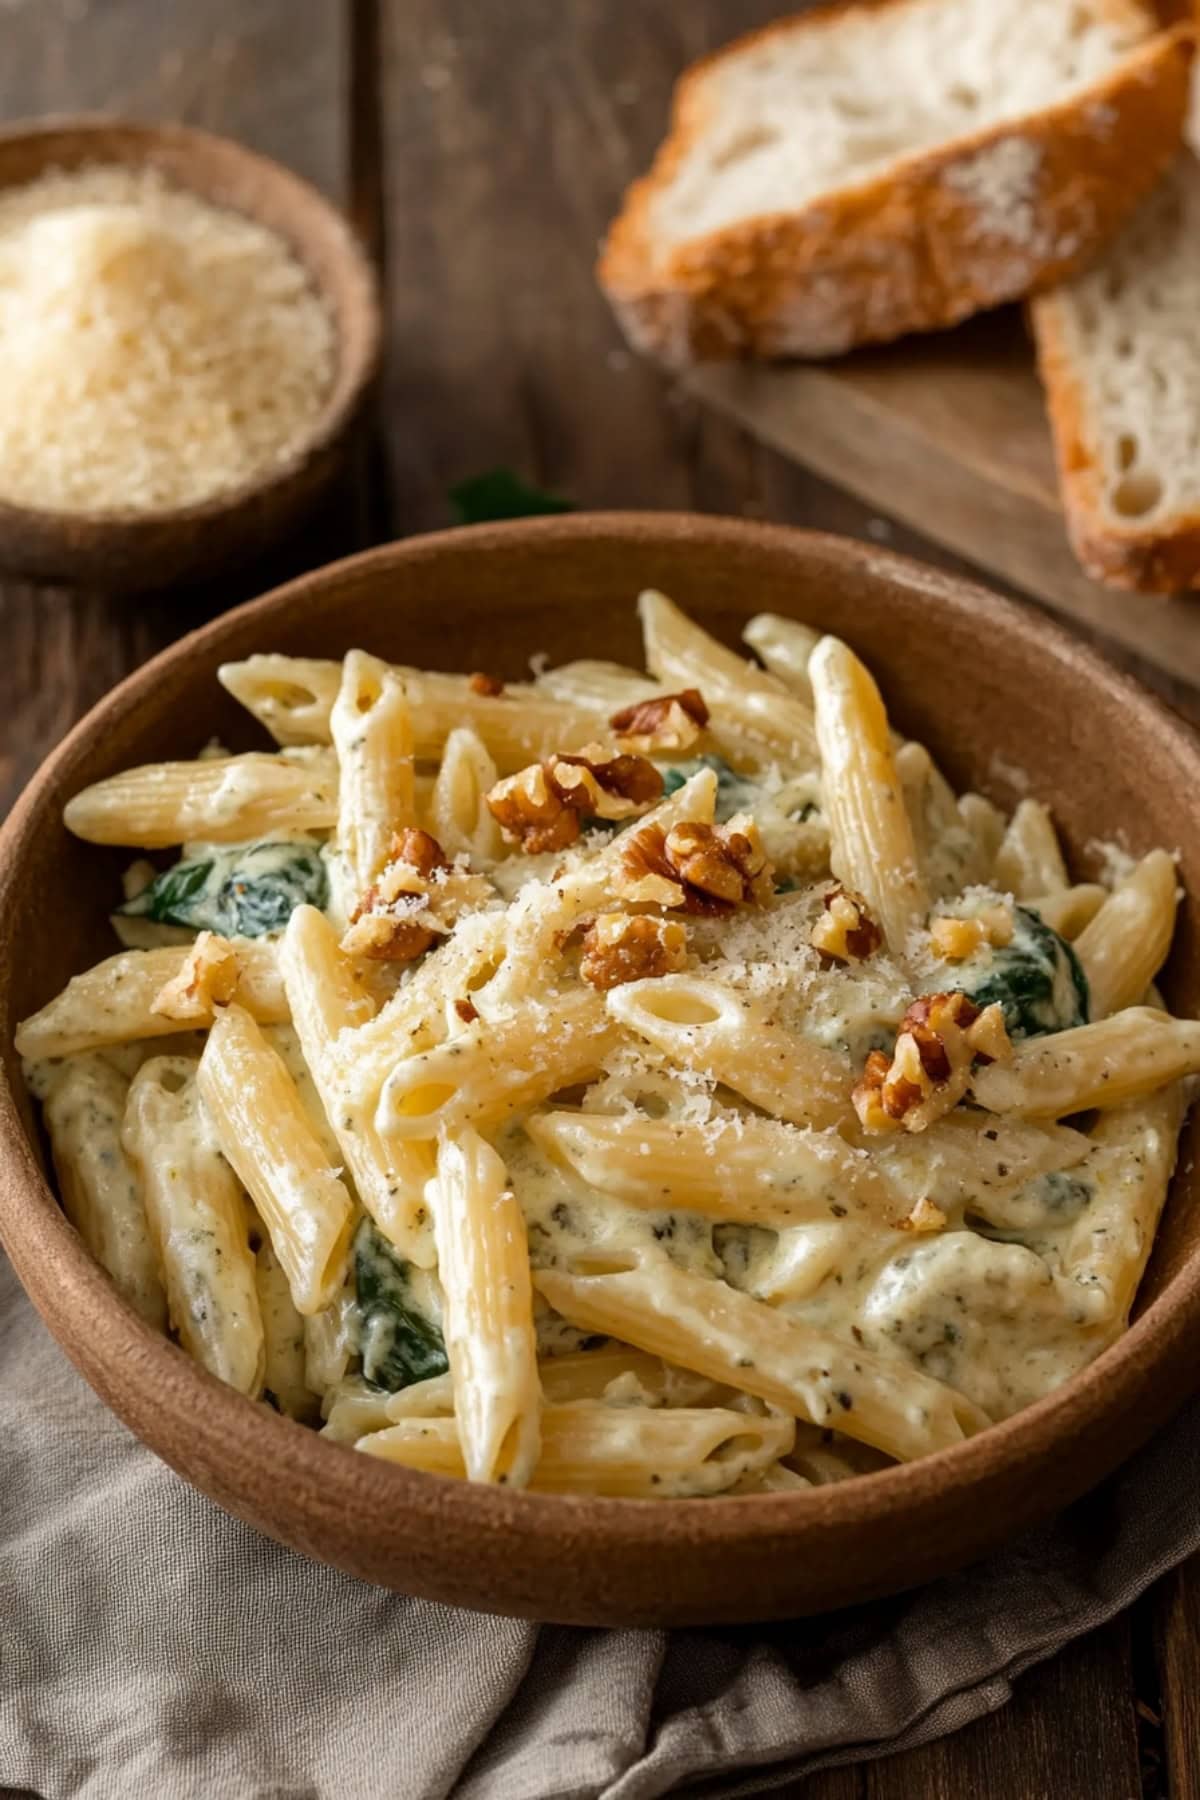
(735, 793)
(1037, 979)
(502, 494)
(239, 890)
(399, 1344)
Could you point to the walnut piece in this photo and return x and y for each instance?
(697, 868)
(941, 1036)
(383, 926)
(208, 978)
(845, 931)
(955, 939)
(488, 685)
(925, 1216)
(620, 947)
(542, 806)
(467, 1011)
(663, 722)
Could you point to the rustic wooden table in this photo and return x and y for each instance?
(480, 146)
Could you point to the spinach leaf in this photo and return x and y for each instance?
(1037, 979)
(239, 890)
(735, 793)
(502, 494)
(399, 1344)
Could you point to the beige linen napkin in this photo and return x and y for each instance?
(153, 1649)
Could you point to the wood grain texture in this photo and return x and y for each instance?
(1177, 1644)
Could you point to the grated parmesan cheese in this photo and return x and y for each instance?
(155, 350)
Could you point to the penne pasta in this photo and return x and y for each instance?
(872, 845)
(1029, 860)
(462, 821)
(326, 1000)
(261, 1127)
(682, 655)
(753, 1171)
(483, 1264)
(784, 646)
(221, 800)
(492, 1070)
(197, 1217)
(627, 1451)
(114, 1002)
(731, 1337)
(599, 687)
(1123, 947)
(1069, 910)
(285, 1377)
(704, 1026)
(372, 734)
(1102, 1065)
(84, 1111)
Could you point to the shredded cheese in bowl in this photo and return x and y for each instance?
(156, 350)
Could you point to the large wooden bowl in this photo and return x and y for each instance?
(991, 688)
(138, 550)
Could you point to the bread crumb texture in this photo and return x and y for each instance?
(156, 350)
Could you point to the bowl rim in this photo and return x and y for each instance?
(228, 1426)
(353, 374)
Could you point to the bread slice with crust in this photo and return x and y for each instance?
(1119, 356)
(890, 166)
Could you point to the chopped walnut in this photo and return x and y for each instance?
(487, 685)
(467, 1011)
(620, 947)
(845, 931)
(208, 978)
(663, 722)
(388, 937)
(940, 1037)
(956, 939)
(696, 867)
(925, 1216)
(384, 926)
(542, 805)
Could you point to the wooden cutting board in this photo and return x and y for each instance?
(948, 434)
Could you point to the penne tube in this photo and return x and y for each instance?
(1106, 1253)
(331, 1341)
(285, 1369)
(372, 734)
(197, 1217)
(1120, 1058)
(355, 1408)
(731, 1337)
(1029, 860)
(985, 825)
(326, 1001)
(218, 800)
(1126, 943)
(751, 1171)
(519, 726)
(263, 1131)
(784, 646)
(871, 838)
(599, 687)
(615, 1372)
(113, 1002)
(701, 1025)
(483, 1266)
(462, 820)
(492, 1069)
(632, 1452)
(977, 1160)
(1069, 910)
(683, 655)
(101, 1195)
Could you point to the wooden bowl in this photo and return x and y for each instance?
(128, 550)
(991, 688)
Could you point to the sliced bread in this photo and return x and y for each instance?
(1119, 355)
(872, 169)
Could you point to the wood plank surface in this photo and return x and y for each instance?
(481, 150)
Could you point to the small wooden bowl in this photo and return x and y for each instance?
(128, 550)
(991, 688)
